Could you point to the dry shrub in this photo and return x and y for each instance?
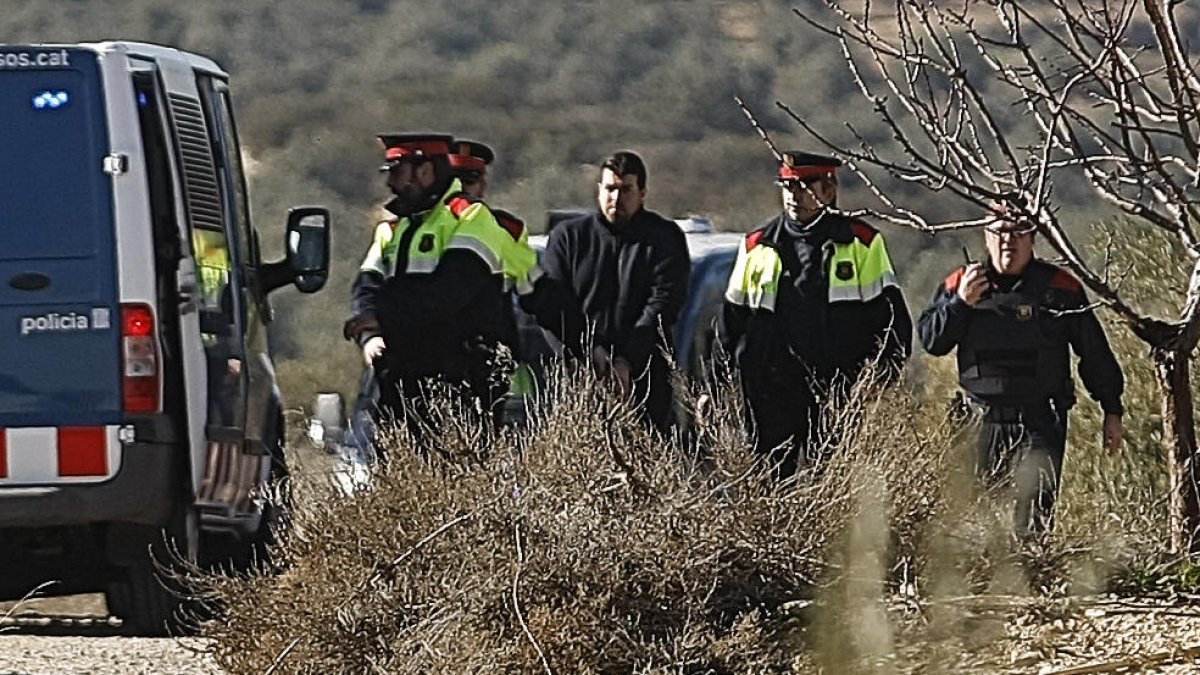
(586, 543)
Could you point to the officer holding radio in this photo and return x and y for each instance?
(1013, 320)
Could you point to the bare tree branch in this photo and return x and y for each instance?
(1090, 105)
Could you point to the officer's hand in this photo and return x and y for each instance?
(600, 361)
(1114, 429)
(373, 349)
(624, 377)
(974, 284)
(703, 410)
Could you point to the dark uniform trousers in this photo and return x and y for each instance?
(784, 426)
(1022, 448)
(414, 401)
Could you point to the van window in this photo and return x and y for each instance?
(53, 141)
(230, 182)
(233, 159)
(167, 249)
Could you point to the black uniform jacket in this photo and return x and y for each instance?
(1042, 311)
(448, 322)
(623, 286)
(807, 339)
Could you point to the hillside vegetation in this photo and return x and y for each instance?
(582, 544)
(554, 87)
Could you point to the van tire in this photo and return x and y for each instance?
(146, 596)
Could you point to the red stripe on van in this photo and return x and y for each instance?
(3, 452)
(82, 451)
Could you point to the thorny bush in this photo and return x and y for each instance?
(583, 542)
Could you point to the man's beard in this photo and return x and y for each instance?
(415, 200)
(404, 203)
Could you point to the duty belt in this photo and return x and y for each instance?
(1002, 413)
(1046, 411)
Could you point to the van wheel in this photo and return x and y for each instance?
(147, 597)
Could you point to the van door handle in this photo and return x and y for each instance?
(187, 297)
(29, 281)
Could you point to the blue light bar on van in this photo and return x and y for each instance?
(50, 100)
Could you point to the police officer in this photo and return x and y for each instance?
(470, 160)
(812, 298)
(222, 347)
(430, 301)
(1012, 319)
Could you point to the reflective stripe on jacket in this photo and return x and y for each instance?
(858, 270)
(456, 222)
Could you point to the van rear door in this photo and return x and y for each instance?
(59, 316)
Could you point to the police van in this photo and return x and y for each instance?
(139, 411)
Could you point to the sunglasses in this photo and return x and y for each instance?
(793, 183)
(1010, 229)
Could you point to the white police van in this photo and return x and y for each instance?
(138, 403)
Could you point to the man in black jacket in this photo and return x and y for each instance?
(624, 271)
(1013, 319)
(811, 300)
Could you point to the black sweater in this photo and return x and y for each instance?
(623, 285)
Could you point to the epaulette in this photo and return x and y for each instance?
(952, 281)
(863, 232)
(754, 239)
(1065, 281)
(512, 224)
(459, 203)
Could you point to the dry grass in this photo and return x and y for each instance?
(585, 543)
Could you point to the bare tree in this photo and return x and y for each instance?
(997, 102)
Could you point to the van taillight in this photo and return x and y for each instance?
(140, 350)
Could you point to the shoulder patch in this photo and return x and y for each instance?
(952, 281)
(863, 232)
(459, 203)
(1065, 281)
(512, 224)
(753, 240)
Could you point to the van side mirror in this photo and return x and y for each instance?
(307, 245)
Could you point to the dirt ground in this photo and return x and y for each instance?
(1071, 637)
(29, 648)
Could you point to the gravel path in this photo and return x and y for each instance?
(1099, 636)
(26, 654)
(1083, 637)
(42, 655)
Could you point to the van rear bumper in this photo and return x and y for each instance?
(141, 492)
